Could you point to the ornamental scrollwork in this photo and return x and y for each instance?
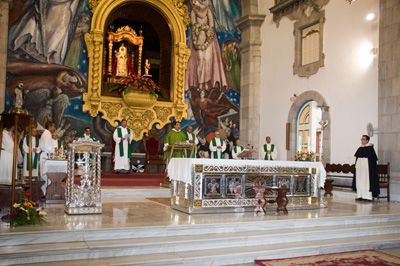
(182, 10)
(162, 112)
(112, 109)
(138, 120)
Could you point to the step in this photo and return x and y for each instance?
(156, 245)
(269, 226)
(244, 254)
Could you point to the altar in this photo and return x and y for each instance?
(214, 186)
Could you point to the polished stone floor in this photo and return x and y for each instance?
(138, 210)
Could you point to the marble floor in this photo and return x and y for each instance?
(138, 210)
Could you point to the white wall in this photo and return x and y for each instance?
(350, 88)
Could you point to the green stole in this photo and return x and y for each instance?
(235, 148)
(121, 143)
(35, 155)
(266, 152)
(214, 142)
(194, 143)
(193, 137)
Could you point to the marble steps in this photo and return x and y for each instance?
(244, 235)
(243, 254)
(265, 225)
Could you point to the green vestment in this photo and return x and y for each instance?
(174, 137)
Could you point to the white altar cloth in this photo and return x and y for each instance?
(56, 166)
(181, 169)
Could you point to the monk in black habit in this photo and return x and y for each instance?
(366, 180)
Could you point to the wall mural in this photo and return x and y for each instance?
(47, 54)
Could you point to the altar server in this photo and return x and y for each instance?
(217, 146)
(366, 176)
(123, 138)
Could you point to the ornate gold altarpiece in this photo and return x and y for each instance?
(139, 119)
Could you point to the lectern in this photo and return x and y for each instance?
(83, 190)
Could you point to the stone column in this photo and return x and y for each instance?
(250, 88)
(389, 91)
(4, 14)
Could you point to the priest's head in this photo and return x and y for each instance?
(177, 125)
(364, 139)
(268, 139)
(123, 123)
(237, 142)
(190, 129)
(217, 133)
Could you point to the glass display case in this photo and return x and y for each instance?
(83, 190)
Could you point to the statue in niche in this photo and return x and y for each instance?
(122, 61)
(146, 67)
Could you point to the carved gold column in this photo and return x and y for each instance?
(94, 41)
(110, 54)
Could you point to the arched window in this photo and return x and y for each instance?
(309, 132)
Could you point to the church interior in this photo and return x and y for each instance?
(200, 132)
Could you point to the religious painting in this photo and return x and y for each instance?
(212, 186)
(233, 186)
(47, 57)
(283, 181)
(258, 182)
(213, 73)
(47, 53)
(302, 185)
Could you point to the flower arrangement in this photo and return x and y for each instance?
(26, 212)
(304, 156)
(136, 83)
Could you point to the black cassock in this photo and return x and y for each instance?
(369, 152)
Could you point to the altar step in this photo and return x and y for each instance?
(132, 179)
(204, 244)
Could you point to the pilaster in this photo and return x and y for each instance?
(4, 15)
(250, 88)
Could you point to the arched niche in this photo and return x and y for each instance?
(171, 30)
(298, 105)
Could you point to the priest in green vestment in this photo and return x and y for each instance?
(174, 136)
(236, 150)
(123, 138)
(192, 139)
(217, 146)
(270, 153)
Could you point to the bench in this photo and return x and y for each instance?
(341, 176)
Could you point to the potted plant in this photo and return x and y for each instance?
(137, 91)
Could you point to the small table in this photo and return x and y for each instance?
(281, 198)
